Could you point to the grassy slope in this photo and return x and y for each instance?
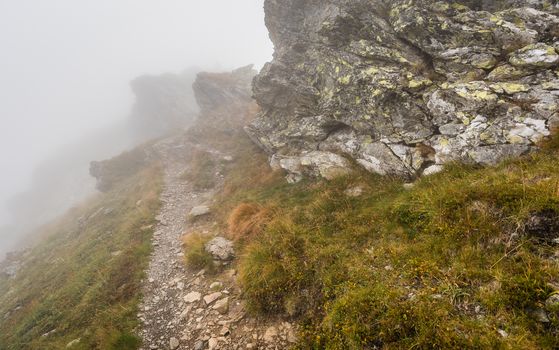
(83, 278)
(444, 265)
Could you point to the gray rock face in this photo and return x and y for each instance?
(214, 91)
(400, 85)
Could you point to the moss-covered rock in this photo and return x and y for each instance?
(375, 80)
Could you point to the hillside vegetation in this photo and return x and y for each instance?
(462, 259)
(81, 284)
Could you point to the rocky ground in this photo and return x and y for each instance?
(184, 309)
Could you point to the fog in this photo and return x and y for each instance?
(65, 68)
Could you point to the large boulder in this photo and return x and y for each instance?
(402, 85)
(215, 90)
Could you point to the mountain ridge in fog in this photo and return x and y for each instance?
(163, 103)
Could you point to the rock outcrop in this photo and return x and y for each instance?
(403, 86)
(215, 90)
(223, 97)
(111, 171)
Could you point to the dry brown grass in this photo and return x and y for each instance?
(247, 221)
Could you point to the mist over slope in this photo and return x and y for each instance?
(66, 65)
(163, 104)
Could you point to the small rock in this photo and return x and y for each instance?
(73, 342)
(433, 169)
(220, 248)
(199, 211)
(543, 225)
(409, 186)
(199, 345)
(503, 333)
(537, 55)
(216, 286)
(225, 331)
(354, 192)
(210, 298)
(222, 306)
(540, 315)
(212, 343)
(174, 343)
(48, 333)
(291, 336)
(192, 297)
(270, 335)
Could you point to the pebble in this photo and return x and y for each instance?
(222, 306)
(212, 343)
(210, 298)
(174, 343)
(270, 335)
(192, 297)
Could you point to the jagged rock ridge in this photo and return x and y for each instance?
(164, 101)
(404, 87)
(223, 97)
(216, 90)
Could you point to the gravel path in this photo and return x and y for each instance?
(182, 309)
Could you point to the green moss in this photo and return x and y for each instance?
(510, 88)
(345, 80)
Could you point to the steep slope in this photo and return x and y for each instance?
(163, 104)
(464, 259)
(80, 284)
(403, 87)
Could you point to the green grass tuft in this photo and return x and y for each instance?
(196, 256)
(447, 264)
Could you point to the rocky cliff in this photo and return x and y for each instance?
(222, 97)
(213, 90)
(403, 86)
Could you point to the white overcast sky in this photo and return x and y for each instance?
(65, 64)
